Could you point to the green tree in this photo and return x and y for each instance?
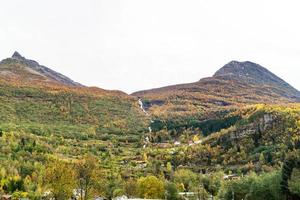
(171, 192)
(253, 187)
(262, 159)
(294, 182)
(187, 178)
(113, 183)
(12, 184)
(18, 195)
(266, 186)
(169, 171)
(212, 183)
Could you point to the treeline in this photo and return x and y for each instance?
(86, 179)
(206, 126)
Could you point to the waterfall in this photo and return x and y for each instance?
(143, 109)
(142, 106)
(149, 128)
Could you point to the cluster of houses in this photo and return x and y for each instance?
(176, 143)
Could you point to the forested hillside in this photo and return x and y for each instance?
(222, 137)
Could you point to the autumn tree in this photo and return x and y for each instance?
(86, 174)
(150, 187)
(130, 188)
(59, 178)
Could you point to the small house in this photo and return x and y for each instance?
(6, 197)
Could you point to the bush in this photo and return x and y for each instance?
(171, 192)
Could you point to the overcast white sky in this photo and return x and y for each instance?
(132, 45)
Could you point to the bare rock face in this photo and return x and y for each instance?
(45, 71)
(261, 125)
(267, 121)
(18, 56)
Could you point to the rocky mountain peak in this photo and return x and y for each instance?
(248, 71)
(245, 81)
(243, 69)
(18, 56)
(35, 69)
(252, 73)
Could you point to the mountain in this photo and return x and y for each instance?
(51, 125)
(235, 84)
(255, 74)
(38, 100)
(46, 116)
(19, 68)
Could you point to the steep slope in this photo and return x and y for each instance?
(255, 74)
(46, 117)
(236, 84)
(38, 100)
(261, 138)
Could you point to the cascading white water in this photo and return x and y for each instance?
(143, 109)
(149, 128)
(177, 143)
(142, 106)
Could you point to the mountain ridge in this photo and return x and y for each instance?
(242, 71)
(235, 84)
(250, 70)
(33, 67)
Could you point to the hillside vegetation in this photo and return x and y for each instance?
(234, 85)
(214, 138)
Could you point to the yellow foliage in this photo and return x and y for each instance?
(150, 187)
(196, 138)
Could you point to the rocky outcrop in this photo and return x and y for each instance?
(256, 127)
(252, 130)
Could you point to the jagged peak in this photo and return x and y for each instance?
(18, 56)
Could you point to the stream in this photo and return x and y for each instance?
(146, 113)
